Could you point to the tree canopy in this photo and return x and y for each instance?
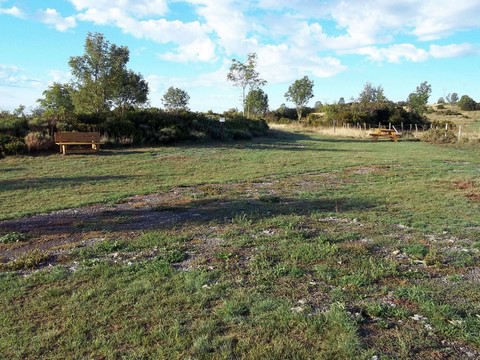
(245, 75)
(257, 102)
(175, 99)
(418, 100)
(300, 93)
(102, 80)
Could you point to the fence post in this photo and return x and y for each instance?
(459, 132)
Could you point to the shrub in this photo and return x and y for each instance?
(439, 136)
(38, 141)
(239, 135)
(169, 134)
(11, 145)
(17, 127)
(119, 128)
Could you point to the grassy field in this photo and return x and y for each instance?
(296, 246)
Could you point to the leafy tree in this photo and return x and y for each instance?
(20, 111)
(441, 100)
(131, 91)
(452, 99)
(466, 103)
(245, 75)
(100, 75)
(300, 92)
(175, 99)
(57, 101)
(318, 105)
(341, 101)
(372, 95)
(418, 100)
(257, 102)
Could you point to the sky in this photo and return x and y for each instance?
(340, 45)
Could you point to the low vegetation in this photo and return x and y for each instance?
(298, 245)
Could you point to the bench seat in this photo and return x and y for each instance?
(77, 139)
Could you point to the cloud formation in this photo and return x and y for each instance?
(13, 76)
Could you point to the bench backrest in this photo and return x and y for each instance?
(93, 137)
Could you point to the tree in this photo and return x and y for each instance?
(100, 77)
(257, 102)
(57, 101)
(466, 103)
(418, 100)
(245, 75)
(131, 91)
(175, 99)
(452, 99)
(300, 92)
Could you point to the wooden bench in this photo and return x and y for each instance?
(77, 140)
(393, 134)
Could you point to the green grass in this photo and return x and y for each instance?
(296, 246)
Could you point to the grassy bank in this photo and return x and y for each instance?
(295, 246)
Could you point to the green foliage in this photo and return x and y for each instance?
(175, 99)
(102, 79)
(245, 76)
(26, 261)
(11, 145)
(57, 102)
(418, 100)
(12, 237)
(466, 103)
(14, 126)
(117, 128)
(300, 93)
(416, 250)
(256, 103)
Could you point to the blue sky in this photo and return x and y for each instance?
(341, 45)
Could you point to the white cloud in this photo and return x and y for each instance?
(227, 20)
(394, 53)
(135, 8)
(438, 18)
(53, 17)
(281, 63)
(13, 76)
(198, 50)
(453, 50)
(14, 11)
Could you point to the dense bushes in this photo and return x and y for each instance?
(12, 145)
(438, 136)
(150, 127)
(39, 141)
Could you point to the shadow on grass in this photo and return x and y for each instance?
(54, 182)
(124, 218)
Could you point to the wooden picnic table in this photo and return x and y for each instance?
(390, 133)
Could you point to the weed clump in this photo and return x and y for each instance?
(12, 238)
